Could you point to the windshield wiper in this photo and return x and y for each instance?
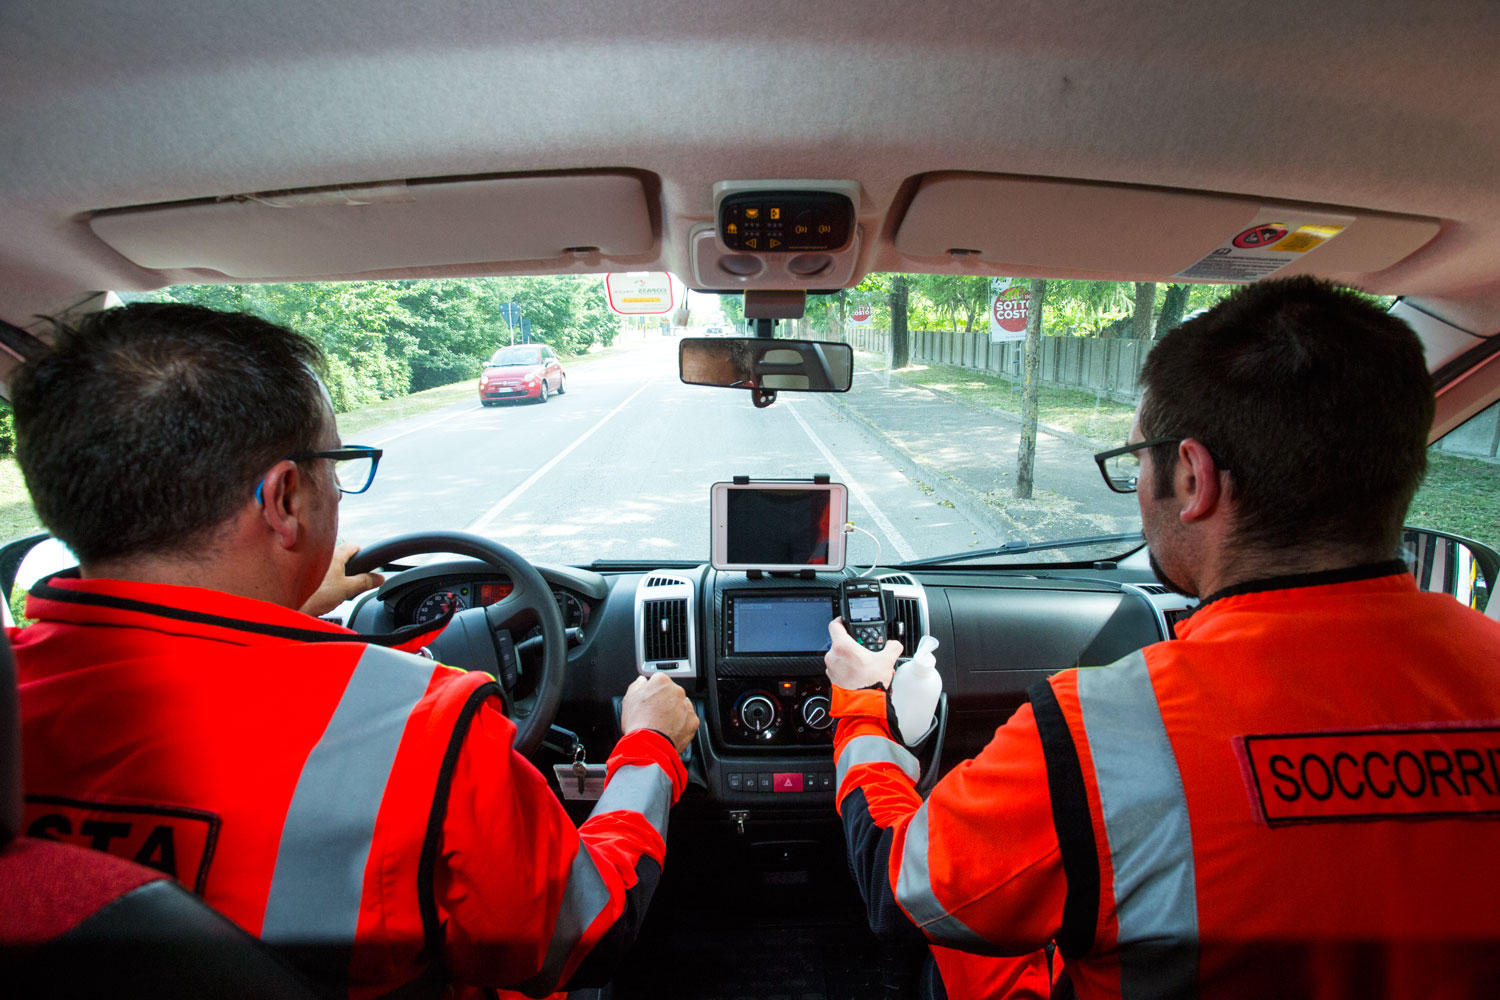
(1015, 548)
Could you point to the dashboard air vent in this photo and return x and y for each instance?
(908, 624)
(662, 581)
(901, 578)
(665, 629)
(1151, 588)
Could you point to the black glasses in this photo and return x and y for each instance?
(353, 465)
(1121, 467)
(353, 469)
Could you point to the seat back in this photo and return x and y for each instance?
(81, 923)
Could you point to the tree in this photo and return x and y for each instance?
(900, 343)
(1145, 302)
(1026, 454)
(953, 297)
(1173, 308)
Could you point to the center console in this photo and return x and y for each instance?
(755, 643)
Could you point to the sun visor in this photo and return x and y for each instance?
(374, 227)
(1039, 225)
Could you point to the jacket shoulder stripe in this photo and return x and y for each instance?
(871, 749)
(325, 842)
(1146, 818)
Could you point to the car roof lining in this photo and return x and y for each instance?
(111, 106)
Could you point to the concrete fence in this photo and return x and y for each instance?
(1109, 366)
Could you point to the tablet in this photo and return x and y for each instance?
(778, 526)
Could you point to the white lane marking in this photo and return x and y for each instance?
(488, 517)
(905, 551)
(421, 427)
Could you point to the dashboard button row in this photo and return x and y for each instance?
(780, 781)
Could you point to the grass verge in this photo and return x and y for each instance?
(1460, 495)
(1076, 411)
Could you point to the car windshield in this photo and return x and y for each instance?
(509, 357)
(615, 461)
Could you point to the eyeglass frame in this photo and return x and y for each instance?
(1104, 456)
(346, 453)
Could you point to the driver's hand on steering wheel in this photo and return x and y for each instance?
(336, 587)
(658, 703)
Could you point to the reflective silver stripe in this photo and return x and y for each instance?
(1146, 818)
(583, 900)
(870, 749)
(914, 893)
(642, 788)
(325, 841)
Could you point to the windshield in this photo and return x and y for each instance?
(508, 357)
(614, 458)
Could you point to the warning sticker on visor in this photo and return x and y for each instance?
(1408, 773)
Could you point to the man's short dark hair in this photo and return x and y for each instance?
(1317, 401)
(147, 426)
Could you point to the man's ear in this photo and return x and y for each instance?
(281, 507)
(1198, 482)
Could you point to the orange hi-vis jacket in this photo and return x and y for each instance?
(1297, 797)
(359, 807)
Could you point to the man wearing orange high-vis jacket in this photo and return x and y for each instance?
(1299, 795)
(358, 806)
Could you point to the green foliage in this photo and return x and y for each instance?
(7, 428)
(384, 339)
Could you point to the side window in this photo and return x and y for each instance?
(1461, 493)
(1459, 497)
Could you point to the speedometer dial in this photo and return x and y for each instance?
(435, 606)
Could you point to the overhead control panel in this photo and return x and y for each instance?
(785, 221)
(778, 234)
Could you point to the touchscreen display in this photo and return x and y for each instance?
(778, 527)
(782, 624)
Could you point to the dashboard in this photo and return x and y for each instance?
(748, 649)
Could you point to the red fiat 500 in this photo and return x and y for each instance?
(521, 371)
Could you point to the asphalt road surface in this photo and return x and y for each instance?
(620, 467)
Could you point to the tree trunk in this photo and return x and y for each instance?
(1173, 305)
(1145, 302)
(1026, 456)
(900, 345)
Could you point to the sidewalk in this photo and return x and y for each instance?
(967, 453)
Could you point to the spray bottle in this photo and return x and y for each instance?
(915, 690)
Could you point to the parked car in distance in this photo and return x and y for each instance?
(521, 371)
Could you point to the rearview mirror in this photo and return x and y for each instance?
(760, 363)
(1451, 564)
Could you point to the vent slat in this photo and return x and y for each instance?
(909, 617)
(669, 642)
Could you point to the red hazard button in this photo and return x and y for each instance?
(786, 781)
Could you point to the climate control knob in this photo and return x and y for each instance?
(815, 712)
(758, 712)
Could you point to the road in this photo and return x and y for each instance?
(620, 467)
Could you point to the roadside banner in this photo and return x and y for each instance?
(1010, 305)
(861, 315)
(642, 293)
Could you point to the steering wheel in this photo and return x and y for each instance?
(470, 638)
